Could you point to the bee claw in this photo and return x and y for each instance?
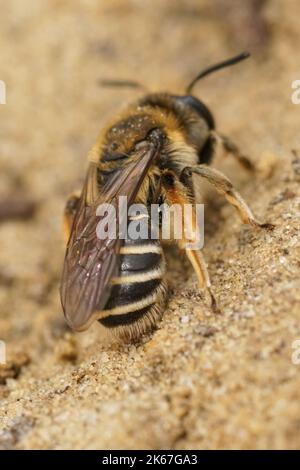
(213, 303)
(264, 225)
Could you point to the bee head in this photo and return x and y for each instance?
(192, 115)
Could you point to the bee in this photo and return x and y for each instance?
(148, 154)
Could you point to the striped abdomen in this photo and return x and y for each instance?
(139, 292)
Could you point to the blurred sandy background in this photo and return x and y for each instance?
(201, 381)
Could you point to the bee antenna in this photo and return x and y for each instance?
(214, 68)
(120, 83)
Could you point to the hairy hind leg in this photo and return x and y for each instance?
(176, 193)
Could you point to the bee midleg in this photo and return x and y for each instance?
(139, 292)
(69, 213)
(230, 147)
(180, 192)
(224, 186)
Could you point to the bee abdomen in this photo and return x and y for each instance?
(139, 292)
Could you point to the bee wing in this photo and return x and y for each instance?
(90, 262)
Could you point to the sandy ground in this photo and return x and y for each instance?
(202, 380)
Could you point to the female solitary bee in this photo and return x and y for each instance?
(148, 154)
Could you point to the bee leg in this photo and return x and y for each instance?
(69, 213)
(230, 147)
(224, 186)
(178, 192)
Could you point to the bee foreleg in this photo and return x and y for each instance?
(224, 186)
(230, 147)
(69, 213)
